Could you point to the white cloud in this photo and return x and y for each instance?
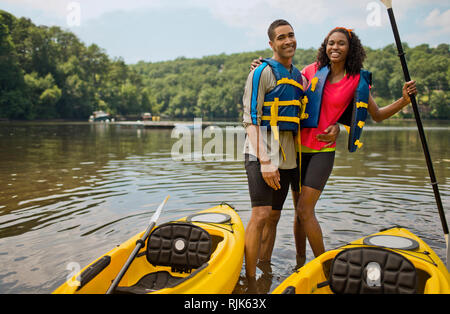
(249, 14)
(436, 28)
(54, 7)
(257, 14)
(90, 8)
(438, 19)
(420, 21)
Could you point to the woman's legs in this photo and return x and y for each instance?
(299, 234)
(308, 221)
(315, 171)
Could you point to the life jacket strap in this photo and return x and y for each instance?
(303, 114)
(283, 103)
(281, 118)
(274, 118)
(314, 82)
(286, 80)
(361, 105)
(358, 143)
(282, 152)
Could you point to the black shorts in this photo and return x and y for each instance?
(316, 169)
(263, 195)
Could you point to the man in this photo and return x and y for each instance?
(272, 109)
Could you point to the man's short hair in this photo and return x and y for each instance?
(274, 25)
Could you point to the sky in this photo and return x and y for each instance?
(159, 30)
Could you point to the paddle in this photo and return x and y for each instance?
(437, 196)
(139, 244)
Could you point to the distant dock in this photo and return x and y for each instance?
(173, 124)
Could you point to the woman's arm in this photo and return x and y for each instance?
(379, 114)
(255, 63)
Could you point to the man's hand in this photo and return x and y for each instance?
(329, 135)
(271, 175)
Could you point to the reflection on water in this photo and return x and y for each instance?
(71, 192)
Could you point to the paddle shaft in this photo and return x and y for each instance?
(434, 183)
(139, 244)
(130, 259)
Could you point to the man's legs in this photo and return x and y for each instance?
(288, 177)
(269, 235)
(253, 235)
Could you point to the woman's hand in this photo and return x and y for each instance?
(255, 63)
(409, 88)
(329, 135)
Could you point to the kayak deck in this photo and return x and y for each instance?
(412, 269)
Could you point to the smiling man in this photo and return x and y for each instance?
(272, 114)
(272, 121)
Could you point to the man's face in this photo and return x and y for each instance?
(284, 43)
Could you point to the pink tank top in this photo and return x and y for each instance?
(335, 99)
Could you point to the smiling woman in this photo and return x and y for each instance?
(343, 42)
(340, 90)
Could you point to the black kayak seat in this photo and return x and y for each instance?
(180, 245)
(371, 270)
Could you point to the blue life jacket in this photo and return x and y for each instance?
(354, 116)
(282, 105)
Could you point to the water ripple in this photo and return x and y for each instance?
(72, 198)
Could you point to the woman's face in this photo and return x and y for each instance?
(337, 47)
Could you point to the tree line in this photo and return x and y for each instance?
(48, 73)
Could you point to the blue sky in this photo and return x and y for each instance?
(156, 30)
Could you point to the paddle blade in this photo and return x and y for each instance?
(387, 3)
(155, 216)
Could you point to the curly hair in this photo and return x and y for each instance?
(356, 54)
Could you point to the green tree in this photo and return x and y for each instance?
(440, 108)
(43, 94)
(13, 104)
(47, 72)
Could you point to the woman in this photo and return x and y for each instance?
(341, 55)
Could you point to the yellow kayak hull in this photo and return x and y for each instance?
(219, 276)
(309, 278)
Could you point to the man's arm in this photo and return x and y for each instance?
(253, 101)
(269, 171)
(329, 135)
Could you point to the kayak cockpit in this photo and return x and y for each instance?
(364, 270)
(156, 281)
(178, 251)
(394, 261)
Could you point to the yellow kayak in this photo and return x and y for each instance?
(391, 261)
(198, 254)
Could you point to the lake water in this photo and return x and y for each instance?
(70, 192)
